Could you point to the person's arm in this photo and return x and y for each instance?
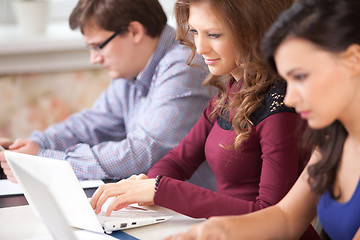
(286, 220)
(280, 169)
(357, 235)
(158, 122)
(181, 162)
(281, 157)
(104, 121)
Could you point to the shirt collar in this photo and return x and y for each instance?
(166, 42)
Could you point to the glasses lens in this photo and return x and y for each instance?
(97, 49)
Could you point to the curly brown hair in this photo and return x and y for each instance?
(248, 21)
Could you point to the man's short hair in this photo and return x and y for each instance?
(112, 15)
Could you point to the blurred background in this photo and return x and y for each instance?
(45, 73)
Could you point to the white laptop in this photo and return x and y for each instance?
(54, 192)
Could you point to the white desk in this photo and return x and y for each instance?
(21, 223)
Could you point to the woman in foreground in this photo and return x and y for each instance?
(316, 48)
(250, 139)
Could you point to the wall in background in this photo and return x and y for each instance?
(34, 100)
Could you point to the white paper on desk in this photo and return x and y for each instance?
(9, 188)
(80, 235)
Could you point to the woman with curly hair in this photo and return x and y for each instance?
(315, 46)
(247, 135)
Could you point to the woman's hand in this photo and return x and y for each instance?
(212, 229)
(135, 189)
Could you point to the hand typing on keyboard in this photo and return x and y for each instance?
(136, 189)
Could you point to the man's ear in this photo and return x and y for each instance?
(137, 31)
(352, 58)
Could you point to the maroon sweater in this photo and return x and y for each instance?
(253, 177)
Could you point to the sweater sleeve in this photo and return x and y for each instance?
(181, 162)
(280, 156)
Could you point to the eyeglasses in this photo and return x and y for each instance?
(99, 47)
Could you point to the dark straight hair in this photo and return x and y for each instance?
(332, 25)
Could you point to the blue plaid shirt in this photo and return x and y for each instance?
(133, 124)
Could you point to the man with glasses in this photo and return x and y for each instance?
(153, 101)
